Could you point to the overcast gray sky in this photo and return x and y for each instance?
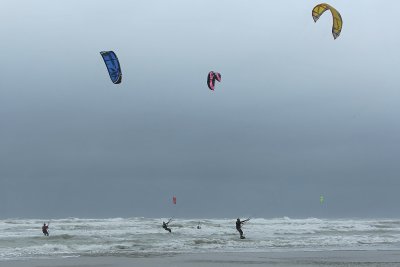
(297, 114)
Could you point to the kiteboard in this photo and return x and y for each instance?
(242, 237)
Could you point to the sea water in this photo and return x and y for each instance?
(141, 237)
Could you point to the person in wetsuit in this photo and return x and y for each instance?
(45, 229)
(165, 226)
(239, 224)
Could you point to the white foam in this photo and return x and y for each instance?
(21, 238)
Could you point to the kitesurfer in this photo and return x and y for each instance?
(165, 226)
(239, 224)
(45, 229)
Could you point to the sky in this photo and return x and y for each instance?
(297, 114)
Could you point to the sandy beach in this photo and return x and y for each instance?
(282, 259)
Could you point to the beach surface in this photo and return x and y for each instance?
(281, 259)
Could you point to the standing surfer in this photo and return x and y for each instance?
(239, 224)
(165, 225)
(45, 229)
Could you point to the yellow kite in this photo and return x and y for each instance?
(318, 10)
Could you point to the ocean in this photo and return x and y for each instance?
(141, 237)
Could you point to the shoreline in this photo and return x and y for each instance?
(283, 259)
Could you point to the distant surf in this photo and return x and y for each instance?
(73, 237)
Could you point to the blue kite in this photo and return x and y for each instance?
(113, 67)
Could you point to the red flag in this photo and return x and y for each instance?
(174, 199)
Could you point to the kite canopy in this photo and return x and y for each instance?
(174, 200)
(318, 10)
(113, 67)
(211, 77)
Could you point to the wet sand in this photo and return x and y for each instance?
(280, 259)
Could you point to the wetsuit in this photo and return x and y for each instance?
(45, 230)
(239, 227)
(165, 226)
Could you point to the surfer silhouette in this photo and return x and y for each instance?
(45, 229)
(239, 224)
(165, 226)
